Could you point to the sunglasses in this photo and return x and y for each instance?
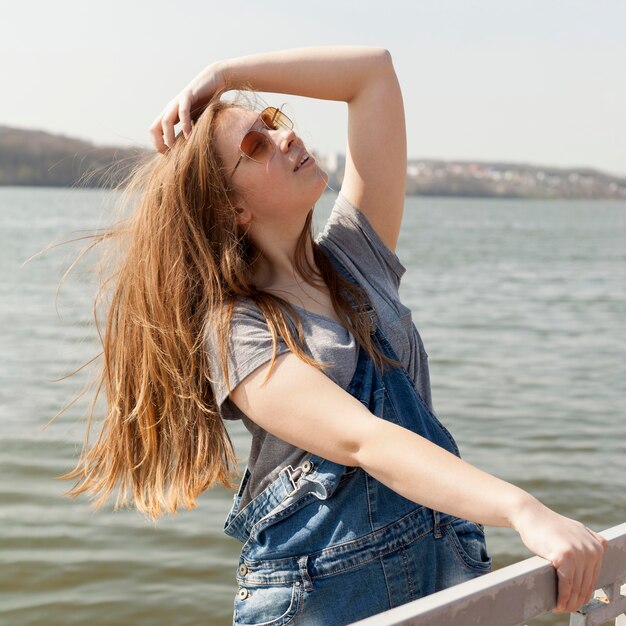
(256, 145)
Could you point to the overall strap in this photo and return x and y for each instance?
(376, 328)
(346, 274)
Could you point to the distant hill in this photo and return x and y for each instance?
(495, 179)
(38, 158)
(511, 180)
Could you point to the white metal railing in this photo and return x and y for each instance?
(514, 594)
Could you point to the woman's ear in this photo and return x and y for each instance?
(242, 216)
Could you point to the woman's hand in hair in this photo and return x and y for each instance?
(186, 106)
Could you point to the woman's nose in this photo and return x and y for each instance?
(286, 138)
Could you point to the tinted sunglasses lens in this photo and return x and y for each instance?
(274, 118)
(256, 146)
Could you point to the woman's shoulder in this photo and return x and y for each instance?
(249, 344)
(244, 307)
(352, 239)
(245, 319)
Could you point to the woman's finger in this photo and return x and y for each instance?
(158, 129)
(603, 542)
(565, 581)
(157, 136)
(168, 121)
(162, 129)
(600, 546)
(184, 112)
(579, 584)
(585, 572)
(588, 579)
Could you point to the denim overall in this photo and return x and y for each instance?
(327, 545)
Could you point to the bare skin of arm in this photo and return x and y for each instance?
(298, 402)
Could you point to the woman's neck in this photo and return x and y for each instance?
(276, 268)
(276, 239)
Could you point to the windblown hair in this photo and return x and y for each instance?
(178, 263)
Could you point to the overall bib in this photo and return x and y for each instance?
(327, 545)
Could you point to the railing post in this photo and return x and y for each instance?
(607, 604)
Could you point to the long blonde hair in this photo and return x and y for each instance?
(174, 269)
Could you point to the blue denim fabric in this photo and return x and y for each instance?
(327, 545)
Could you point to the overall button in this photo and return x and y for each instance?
(243, 593)
(307, 467)
(243, 570)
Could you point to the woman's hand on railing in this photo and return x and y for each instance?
(180, 109)
(574, 550)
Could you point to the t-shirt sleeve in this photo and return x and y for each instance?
(250, 345)
(349, 234)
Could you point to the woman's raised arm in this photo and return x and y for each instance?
(363, 77)
(298, 402)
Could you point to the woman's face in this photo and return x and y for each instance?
(274, 193)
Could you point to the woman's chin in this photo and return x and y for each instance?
(323, 180)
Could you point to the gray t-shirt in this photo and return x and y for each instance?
(351, 238)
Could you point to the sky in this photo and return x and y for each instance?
(528, 81)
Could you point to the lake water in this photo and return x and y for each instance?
(522, 308)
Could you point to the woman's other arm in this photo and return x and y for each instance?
(363, 77)
(304, 407)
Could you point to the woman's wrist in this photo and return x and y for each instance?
(210, 80)
(524, 507)
(219, 69)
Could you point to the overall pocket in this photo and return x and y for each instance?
(467, 540)
(271, 605)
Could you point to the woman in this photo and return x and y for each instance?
(355, 498)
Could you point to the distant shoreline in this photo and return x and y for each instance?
(39, 159)
(442, 196)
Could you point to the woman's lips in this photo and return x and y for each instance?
(310, 160)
